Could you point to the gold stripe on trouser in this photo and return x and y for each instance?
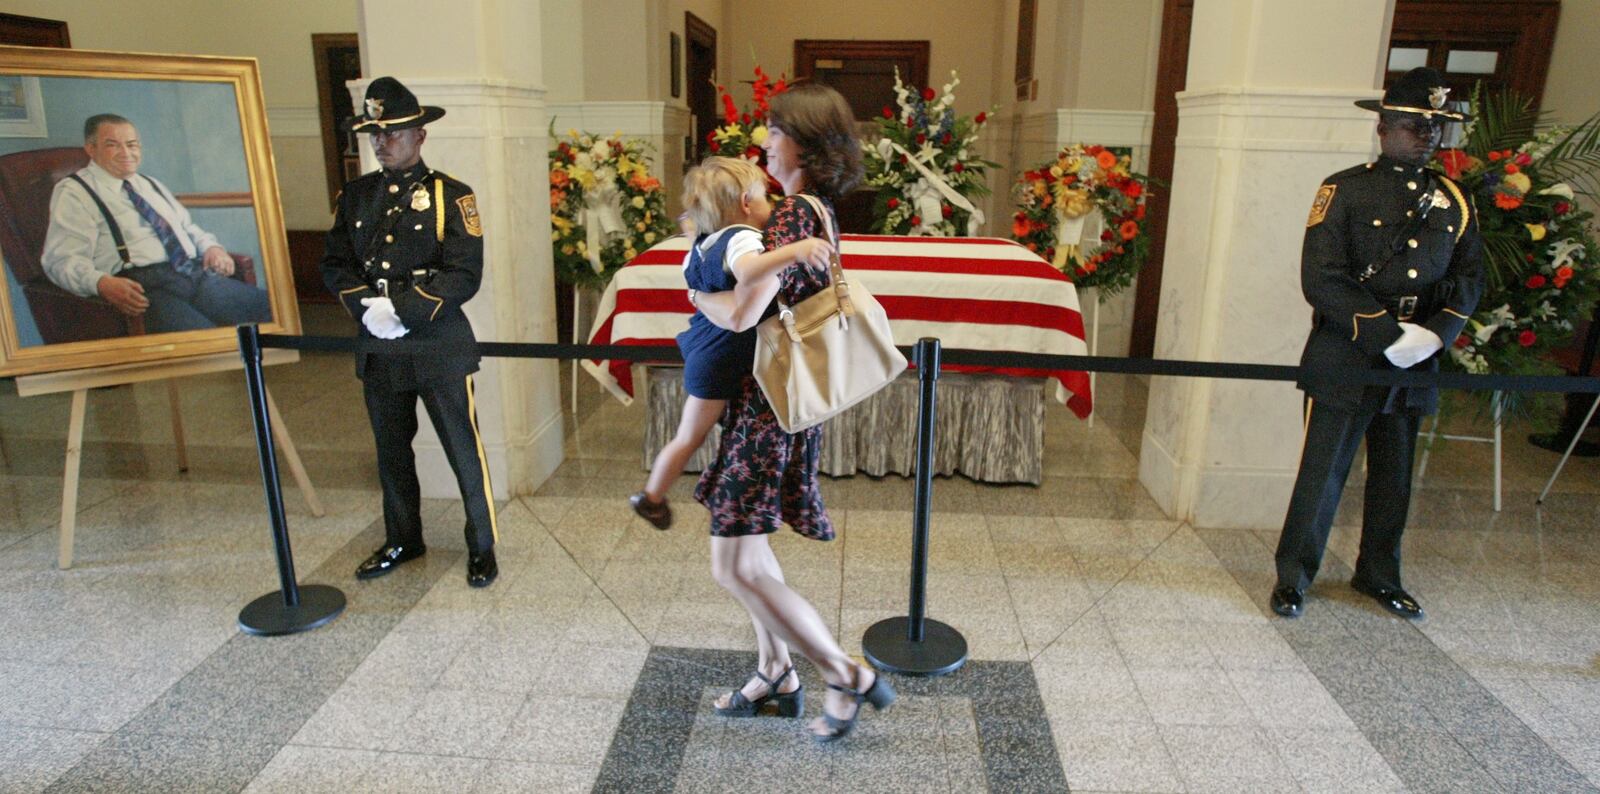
(1305, 427)
(483, 462)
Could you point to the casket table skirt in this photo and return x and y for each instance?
(971, 293)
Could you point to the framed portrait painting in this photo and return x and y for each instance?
(139, 212)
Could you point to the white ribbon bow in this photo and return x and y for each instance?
(932, 180)
(601, 216)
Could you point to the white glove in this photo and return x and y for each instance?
(1413, 347)
(380, 319)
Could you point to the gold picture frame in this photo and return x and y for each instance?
(201, 122)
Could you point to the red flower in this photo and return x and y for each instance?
(927, 95)
(893, 202)
(745, 118)
(1050, 253)
(916, 220)
(1138, 213)
(944, 140)
(1563, 275)
(1454, 162)
(1524, 159)
(958, 167)
(1133, 189)
(1511, 168)
(921, 139)
(1494, 157)
(1535, 281)
(1527, 338)
(887, 113)
(1080, 272)
(1129, 230)
(1506, 201)
(1105, 236)
(945, 209)
(981, 117)
(753, 151)
(1463, 340)
(1091, 267)
(1019, 226)
(716, 147)
(711, 136)
(1562, 208)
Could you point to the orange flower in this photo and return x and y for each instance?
(1019, 226)
(1511, 168)
(1129, 230)
(1506, 201)
(559, 179)
(556, 197)
(1105, 159)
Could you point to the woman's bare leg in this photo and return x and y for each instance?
(698, 417)
(747, 568)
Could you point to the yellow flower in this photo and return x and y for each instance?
(758, 136)
(638, 203)
(630, 253)
(583, 248)
(562, 225)
(1518, 182)
(566, 249)
(555, 236)
(572, 133)
(649, 237)
(640, 226)
(1055, 171)
(1535, 230)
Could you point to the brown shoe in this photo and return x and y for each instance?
(657, 513)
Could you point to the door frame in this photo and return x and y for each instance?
(808, 51)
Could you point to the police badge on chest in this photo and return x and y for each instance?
(419, 199)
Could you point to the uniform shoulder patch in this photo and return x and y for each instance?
(1319, 205)
(468, 205)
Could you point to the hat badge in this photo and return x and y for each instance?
(1437, 96)
(375, 108)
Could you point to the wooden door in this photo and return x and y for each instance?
(700, 68)
(863, 71)
(1171, 72)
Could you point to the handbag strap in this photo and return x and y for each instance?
(836, 279)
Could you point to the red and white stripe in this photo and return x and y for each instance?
(976, 293)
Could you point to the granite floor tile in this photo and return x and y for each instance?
(1226, 759)
(297, 769)
(1118, 756)
(152, 762)
(30, 758)
(1333, 761)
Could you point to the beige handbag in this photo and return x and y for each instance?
(828, 352)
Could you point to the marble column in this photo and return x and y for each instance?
(480, 61)
(1266, 116)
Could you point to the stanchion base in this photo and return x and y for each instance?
(268, 616)
(942, 651)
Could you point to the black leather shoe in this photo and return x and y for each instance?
(1395, 600)
(481, 569)
(1288, 601)
(387, 559)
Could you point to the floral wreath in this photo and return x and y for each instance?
(924, 165)
(605, 207)
(1542, 265)
(1085, 212)
(743, 132)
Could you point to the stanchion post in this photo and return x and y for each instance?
(916, 645)
(291, 609)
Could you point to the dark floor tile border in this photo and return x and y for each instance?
(1405, 694)
(217, 727)
(646, 753)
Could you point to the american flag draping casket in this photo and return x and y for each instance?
(975, 293)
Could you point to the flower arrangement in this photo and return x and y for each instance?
(605, 207)
(924, 165)
(743, 132)
(1088, 193)
(1543, 267)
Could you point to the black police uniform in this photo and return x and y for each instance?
(1434, 280)
(415, 237)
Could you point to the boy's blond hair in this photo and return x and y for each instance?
(712, 189)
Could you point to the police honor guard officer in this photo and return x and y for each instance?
(405, 252)
(1392, 265)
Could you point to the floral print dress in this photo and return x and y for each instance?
(762, 476)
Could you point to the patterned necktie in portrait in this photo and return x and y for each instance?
(179, 258)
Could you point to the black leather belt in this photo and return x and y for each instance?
(1403, 307)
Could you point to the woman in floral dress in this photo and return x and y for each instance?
(762, 476)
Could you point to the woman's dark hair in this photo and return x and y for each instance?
(822, 126)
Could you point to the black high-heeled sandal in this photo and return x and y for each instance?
(880, 695)
(789, 704)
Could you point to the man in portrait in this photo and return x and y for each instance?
(121, 235)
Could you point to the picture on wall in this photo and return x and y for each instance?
(141, 221)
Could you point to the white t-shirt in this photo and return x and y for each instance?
(745, 240)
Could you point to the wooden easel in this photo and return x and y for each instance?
(79, 382)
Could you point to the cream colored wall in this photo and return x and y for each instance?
(562, 53)
(956, 30)
(1571, 92)
(1118, 45)
(278, 34)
